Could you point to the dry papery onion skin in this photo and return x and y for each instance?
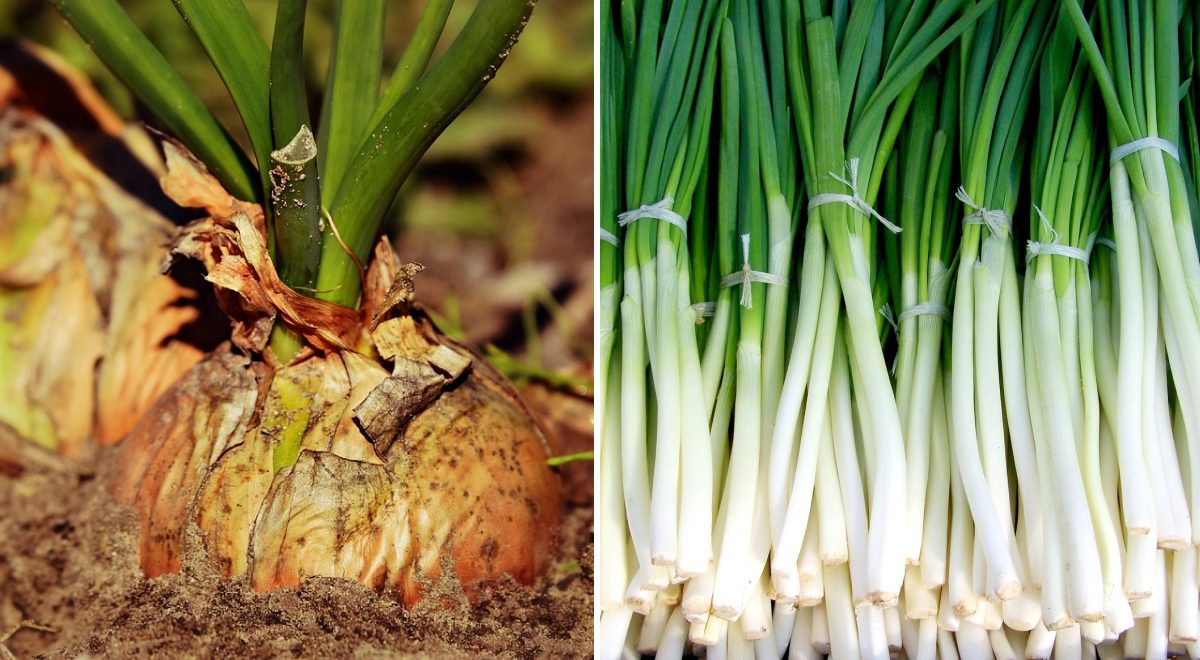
(331, 465)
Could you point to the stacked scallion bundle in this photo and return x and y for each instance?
(1010, 465)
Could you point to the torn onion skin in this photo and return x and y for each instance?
(90, 331)
(465, 477)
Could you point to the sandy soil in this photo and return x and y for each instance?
(68, 560)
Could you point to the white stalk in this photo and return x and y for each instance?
(801, 646)
(698, 591)
(1067, 643)
(962, 544)
(937, 521)
(1164, 438)
(820, 630)
(608, 301)
(1156, 633)
(920, 602)
(755, 621)
(664, 494)
(1134, 642)
(1136, 498)
(611, 630)
(795, 382)
(796, 520)
(783, 622)
(1184, 606)
(811, 575)
(1023, 612)
(908, 627)
(674, 637)
(1092, 632)
(946, 619)
(631, 422)
(719, 437)
(739, 646)
(1186, 434)
(831, 517)
(947, 647)
(973, 643)
(1182, 304)
(1139, 567)
(1001, 647)
(927, 632)
(849, 473)
(989, 279)
(697, 597)
(720, 650)
(1020, 430)
(733, 581)
(965, 435)
(779, 263)
(712, 365)
(1170, 534)
(917, 422)
(653, 626)
(1053, 587)
(839, 610)
(1106, 533)
(1084, 579)
(872, 632)
(696, 634)
(1040, 643)
(717, 632)
(695, 553)
(612, 572)
(765, 647)
(891, 623)
(885, 530)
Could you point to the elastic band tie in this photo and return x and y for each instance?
(1054, 248)
(853, 200)
(609, 237)
(1108, 243)
(702, 310)
(1152, 142)
(746, 276)
(660, 210)
(926, 308)
(886, 313)
(997, 220)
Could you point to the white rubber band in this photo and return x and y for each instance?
(1108, 243)
(1054, 248)
(660, 210)
(746, 276)
(703, 309)
(853, 200)
(997, 220)
(1152, 142)
(926, 308)
(609, 237)
(1037, 249)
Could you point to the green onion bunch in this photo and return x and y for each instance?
(922, 374)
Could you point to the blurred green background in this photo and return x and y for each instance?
(500, 210)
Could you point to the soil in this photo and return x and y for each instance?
(68, 560)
